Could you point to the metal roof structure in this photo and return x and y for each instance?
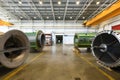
(55, 9)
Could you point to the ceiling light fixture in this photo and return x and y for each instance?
(59, 17)
(20, 2)
(59, 2)
(77, 2)
(83, 17)
(47, 17)
(40, 2)
(97, 3)
(21, 17)
(34, 17)
(71, 17)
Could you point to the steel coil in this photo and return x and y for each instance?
(106, 48)
(14, 48)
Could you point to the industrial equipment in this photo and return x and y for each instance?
(83, 40)
(37, 40)
(14, 48)
(48, 41)
(106, 48)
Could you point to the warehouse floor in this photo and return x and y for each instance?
(60, 62)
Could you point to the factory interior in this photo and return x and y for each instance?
(59, 39)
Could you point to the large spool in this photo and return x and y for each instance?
(14, 48)
(37, 40)
(106, 48)
(83, 40)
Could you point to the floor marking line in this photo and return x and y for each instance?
(104, 66)
(101, 71)
(7, 77)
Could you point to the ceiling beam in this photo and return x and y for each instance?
(7, 13)
(35, 9)
(108, 13)
(24, 14)
(86, 5)
(5, 23)
(65, 10)
(51, 3)
(100, 9)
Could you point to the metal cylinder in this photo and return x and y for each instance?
(83, 39)
(37, 40)
(14, 48)
(106, 48)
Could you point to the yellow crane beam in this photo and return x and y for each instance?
(5, 23)
(108, 13)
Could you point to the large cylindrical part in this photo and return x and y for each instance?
(106, 48)
(14, 48)
(83, 39)
(37, 40)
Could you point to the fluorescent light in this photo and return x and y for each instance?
(59, 17)
(47, 17)
(20, 2)
(21, 17)
(83, 17)
(34, 17)
(71, 17)
(77, 2)
(59, 2)
(97, 3)
(40, 2)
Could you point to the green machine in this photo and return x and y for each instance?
(83, 40)
(37, 40)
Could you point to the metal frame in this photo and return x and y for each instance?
(68, 8)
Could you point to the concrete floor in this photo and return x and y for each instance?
(60, 62)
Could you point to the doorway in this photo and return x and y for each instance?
(59, 39)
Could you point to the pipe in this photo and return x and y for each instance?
(14, 48)
(106, 48)
(37, 40)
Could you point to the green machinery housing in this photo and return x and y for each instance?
(37, 40)
(83, 40)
